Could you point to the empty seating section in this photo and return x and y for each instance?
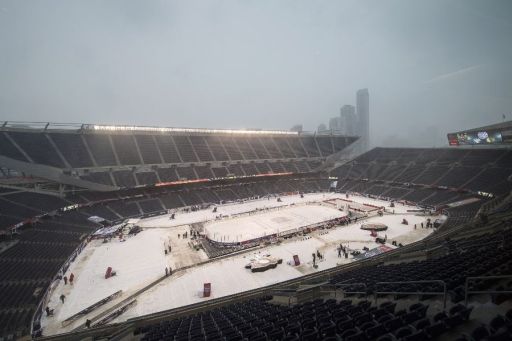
(263, 167)
(148, 149)
(28, 267)
(282, 144)
(19, 295)
(85, 149)
(172, 200)
(419, 194)
(474, 256)
(167, 174)
(225, 194)
(505, 160)
(259, 148)
(236, 170)
(201, 148)
(276, 167)
(245, 148)
(289, 167)
(409, 173)
(449, 156)
(441, 197)
(374, 170)
(357, 171)
(101, 149)
(98, 177)
(125, 208)
(341, 142)
(185, 149)
(389, 173)
(248, 169)
(325, 145)
(190, 198)
(232, 148)
(124, 178)
(9, 150)
(101, 211)
(146, 178)
(38, 148)
(430, 175)
(458, 176)
(9, 208)
(318, 319)
(482, 157)
(186, 173)
(491, 180)
(396, 192)
(462, 169)
(310, 146)
(207, 196)
(220, 172)
(217, 148)
(126, 149)
(377, 190)
(302, 167)
(8, 220)
(297, 147)
(204, 172)
(168, 149)
(25, 249)
(73, 149)
(149, 206)
(36, 201)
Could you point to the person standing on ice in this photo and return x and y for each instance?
(71, 278)
(62, 298)
(65, 280)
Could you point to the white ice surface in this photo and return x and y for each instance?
(261, 224)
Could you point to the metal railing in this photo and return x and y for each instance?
(428, 293)
(467, 292)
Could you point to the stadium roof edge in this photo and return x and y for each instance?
(92, 128)
(502, 125)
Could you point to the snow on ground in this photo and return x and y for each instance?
(141, 260)
(264, 223)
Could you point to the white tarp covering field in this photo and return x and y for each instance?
(141, 260)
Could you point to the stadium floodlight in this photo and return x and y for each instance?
(188, 130)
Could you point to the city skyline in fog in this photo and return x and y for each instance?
(430, 67)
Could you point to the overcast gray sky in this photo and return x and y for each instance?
(431, 66)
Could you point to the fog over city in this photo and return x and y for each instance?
(431, 67)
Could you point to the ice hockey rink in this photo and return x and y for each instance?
(275, 221)
(140, 261)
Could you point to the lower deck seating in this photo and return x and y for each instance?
(319, 319)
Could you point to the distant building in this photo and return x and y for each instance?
(363, 115)
(297, 127)
(335, 124)
(322, 128)
(348, 120)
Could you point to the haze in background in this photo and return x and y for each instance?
(431, 67)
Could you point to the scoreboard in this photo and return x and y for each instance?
(483, 137)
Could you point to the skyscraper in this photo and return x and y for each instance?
(348, 120)
(363, 115)
(335, 124)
